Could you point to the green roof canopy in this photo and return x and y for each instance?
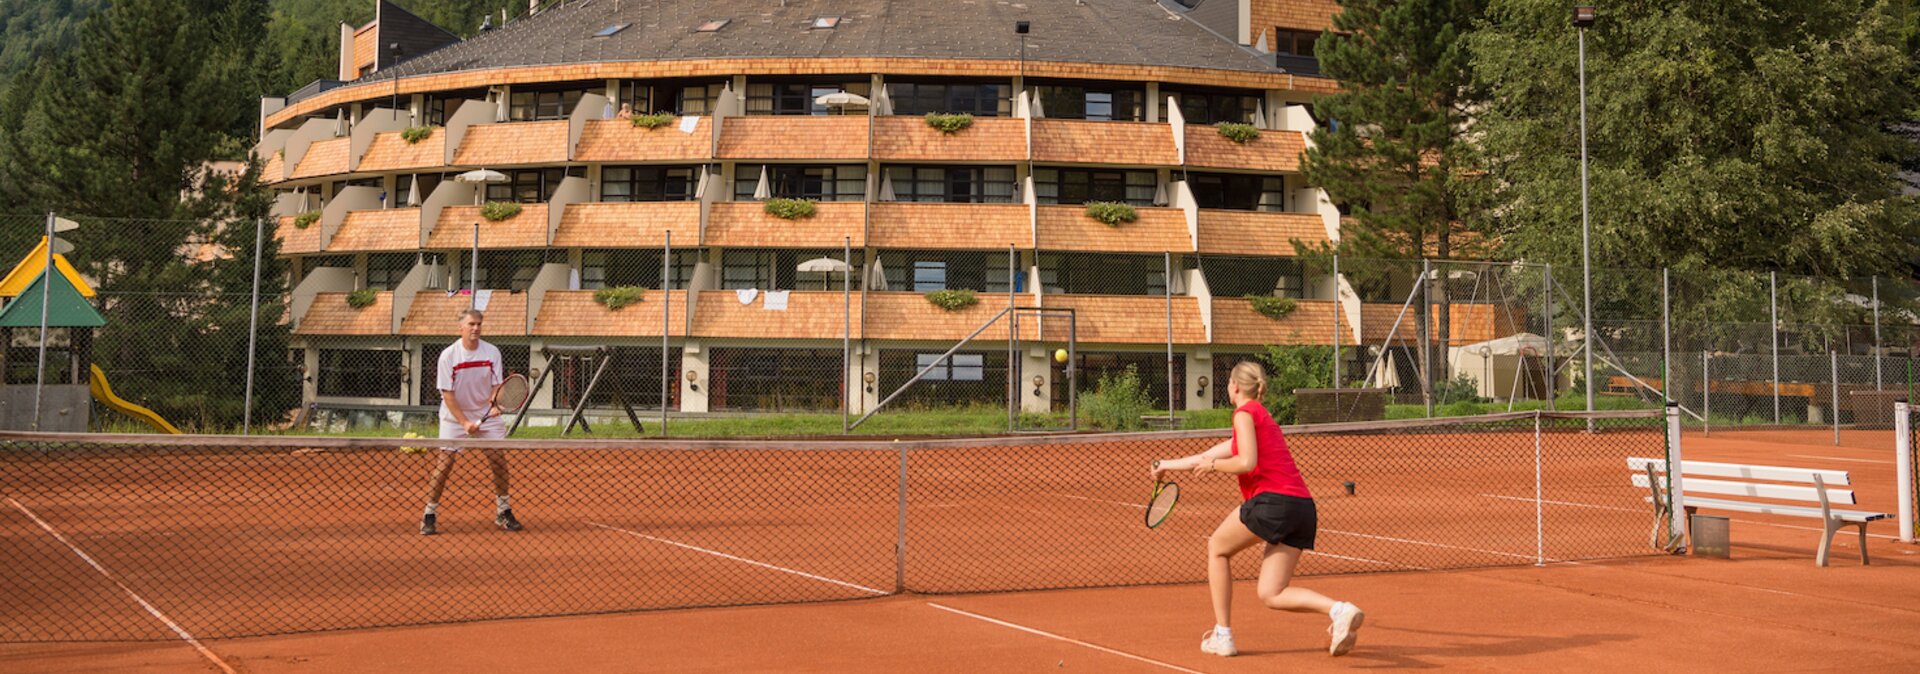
(66, 308)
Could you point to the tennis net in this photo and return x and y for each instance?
(231, 536)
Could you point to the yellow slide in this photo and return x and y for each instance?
(104, 393)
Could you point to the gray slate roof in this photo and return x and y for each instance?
(1128, 32)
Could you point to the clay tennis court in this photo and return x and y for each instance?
(320, 544)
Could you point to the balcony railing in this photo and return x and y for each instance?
(513, 143)
(573, 313)
(1311, 322)
(619, 141)
(1258, 232)
(989, 139)
(1082, 142)
(628, 225)
(950, 226)
(1274, 150)
(747, 224)
(1063, 227)
(840, 137)
(393, 229)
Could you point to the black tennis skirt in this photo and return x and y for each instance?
(1280, 519)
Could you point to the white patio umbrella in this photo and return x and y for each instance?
(842, 99)
(762, 191)
(413, 191)
(480, 177)
(823, 265)
(886, 187)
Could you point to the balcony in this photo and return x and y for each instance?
(949, 226)
(909, 316)
(810, 314)
(390, 152)
(1471, 323)
(1159, 230)
(329, 315)
(455, 229)
(294, 240)
(1312, 322)
(990, 139)
(573, 313)
(629, 225)
(619, 141)
(513, 143)
(1274, 150)
(1122, 143)
(1126, 319)
(275, 168)
(1229, 232)
(384, 230)
(323, 158)
(433, 314)
(782, 137)
(746, 224)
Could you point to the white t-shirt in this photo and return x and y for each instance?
(471, 376)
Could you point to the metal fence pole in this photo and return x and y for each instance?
(1013, 334)
(1426, 339)
(1553, 372)
(1833, 362)
(253, 330)
(1336, 322)
(666, 318)
(1773, 311)
(46, 288)
(1878, 383)
(1539, 517)
(1171, 398)
(846, 335)
(1706, 393)
(1666, 334)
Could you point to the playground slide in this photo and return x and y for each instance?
(104, 393)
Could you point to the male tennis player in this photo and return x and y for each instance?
(471, 371)
(1278, 510)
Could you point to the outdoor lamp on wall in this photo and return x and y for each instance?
(1583, 16)
(1202, 391)
(1038, 381)
(869, 379)
(693, 379)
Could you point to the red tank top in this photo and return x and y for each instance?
(1274, 471)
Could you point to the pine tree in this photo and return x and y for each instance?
(1394, 152)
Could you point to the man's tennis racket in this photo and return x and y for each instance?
(1160, 505)
(511, 397)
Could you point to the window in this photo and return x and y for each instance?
(359, 373)
(403, 185)
(1100, 102)
(632, 267)
(513, 269)
(647, 183)
(951, 184)
(774, 379)
(977, 99)
(1079, 186)
(610, 31)
(633, 376)
(797, 98)
(531, 106)
(693, 99)
(532, 186)
(1292, 42)
(1240, 276)
(780, 269)
(1214, 107)
(820, 183)
(385, 270)
(636, 96)
(1238, 191)
(712, 26)
(959, 367)
(1104, 274)
(965, 377)
(825, 22)
(927, 271)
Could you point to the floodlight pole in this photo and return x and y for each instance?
(1583, 17)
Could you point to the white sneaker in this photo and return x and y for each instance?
(1218, 644)
(1345, 628)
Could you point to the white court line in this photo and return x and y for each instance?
(1316, 552)
(184, 636)
(1631, 510)
(742, 560)
(1057, 637)
(1564, 503)
(1835, 458)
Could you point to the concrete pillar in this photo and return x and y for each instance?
(1153, 101)
(693, 394)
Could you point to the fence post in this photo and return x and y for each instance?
(1553, 373)
(1675, 461)
(1426, 338)
(1773, 331)
(1666, 334)
(1168, 283)
(1878, 384)
(1903, 462)
(666, 318)
(1013, 335)
(253, 330)
(846, 335)
(1833, 363)
(1706, 394)
(1336, 324)
(1539, 492)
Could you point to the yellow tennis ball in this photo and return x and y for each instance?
(1060, 355)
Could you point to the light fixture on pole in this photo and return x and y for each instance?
(1021, 28)
(395, 50)
(1583, 18)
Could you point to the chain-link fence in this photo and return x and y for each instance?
(234, 537)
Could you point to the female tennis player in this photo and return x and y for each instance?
(1277, 510)
(470, 373)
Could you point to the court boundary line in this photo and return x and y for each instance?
(151, 610)
(1730, 519)
(1056, 637)
(1837, 458)
(742, 560)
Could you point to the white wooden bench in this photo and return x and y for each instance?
(1698, 478)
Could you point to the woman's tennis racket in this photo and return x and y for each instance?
(1160, 505)
(511, 397)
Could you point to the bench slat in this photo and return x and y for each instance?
(1694, 485)
(1833, 478)
(1767, 509)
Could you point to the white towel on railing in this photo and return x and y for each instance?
(746, 295)
(481, 298)
(776, 300)
(689, 123)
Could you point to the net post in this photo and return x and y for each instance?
(1903, 461)
(1539, 493)
(1675, 495)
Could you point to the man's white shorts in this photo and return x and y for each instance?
(492, 429)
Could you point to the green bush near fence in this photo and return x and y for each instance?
(1117, 402)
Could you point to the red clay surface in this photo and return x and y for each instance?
(1768, 609)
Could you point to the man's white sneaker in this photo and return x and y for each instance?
(1218, 644)
(1345, 628)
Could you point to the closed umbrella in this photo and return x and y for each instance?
(762, 191)
(1160, 194)
(700, 188)
(886, 187)
(1259, 115)
(413, 191)
(883, 102)
(1033, 103)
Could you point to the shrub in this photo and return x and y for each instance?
(1460, 388)
(616, 297)
(495, 211)
(1289, 368)
(1272, 307)
(652, 121)
(949, 123)
(416, 134)
(362, 298)
(306, 219)
(790, 209)
(1117, 401)
(1238, 133)
(952, 300)
(1112, 212)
